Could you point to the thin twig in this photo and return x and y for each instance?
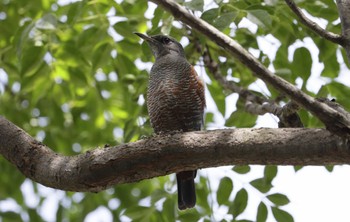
(261, 109)
(254, 104)
(338, 39)
(213, 67)
(287, 115)
(344, 14)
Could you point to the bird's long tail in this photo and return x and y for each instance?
(185, 189)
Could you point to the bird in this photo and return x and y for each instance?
(175, 101)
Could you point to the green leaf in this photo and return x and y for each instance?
(209, 117)
(241, 169)
(210, 15)
(241, 119)
(302, 63)
(239, 204)
(196, 5)
(217, 93)
(260, 17)
(225, 20)
(86, 38)
(33, 215)
(128, 78)
(278, 199)
(224, 190)
(261, 185)
(340, 92)
(189, 215)
(59, 213)
(270, 172)
(158, 14)
(321, 9)
(345, 58)
(329, 168)
(9, 216)
(281, 215)
(327, 49)
(297, 168)
(31, 60)
(123, 28)
(101, 54)
(47, 22)
(281, 64)
(138, 212)
(331, 67)
(328, 55)
(261, 216)
(169, 208)
(202, 191)
(167, 25)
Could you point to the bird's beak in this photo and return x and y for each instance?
(145, 37)
(156, 46)
(148, 39)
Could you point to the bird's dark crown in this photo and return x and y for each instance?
(162, 45)
(164, 39)
(169, 45)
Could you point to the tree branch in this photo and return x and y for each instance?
(160, 155)
(231, 86)
(254, 104)
(338, 39)
(344, 13)
(334, 121)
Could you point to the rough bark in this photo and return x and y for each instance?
(160, 155)
(334, 121)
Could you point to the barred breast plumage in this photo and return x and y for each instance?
(175, 97)
(175, 101)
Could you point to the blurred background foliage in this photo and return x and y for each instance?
(74, 76)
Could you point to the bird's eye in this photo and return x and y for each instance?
(166, 40)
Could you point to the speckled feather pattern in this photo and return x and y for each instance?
(175, 99)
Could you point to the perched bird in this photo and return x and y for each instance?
(175, 101)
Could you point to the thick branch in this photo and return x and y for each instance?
(338, 39)
(334, 121)
(100, 168)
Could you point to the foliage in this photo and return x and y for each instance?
(74, 75)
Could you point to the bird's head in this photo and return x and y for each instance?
(162, 45)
